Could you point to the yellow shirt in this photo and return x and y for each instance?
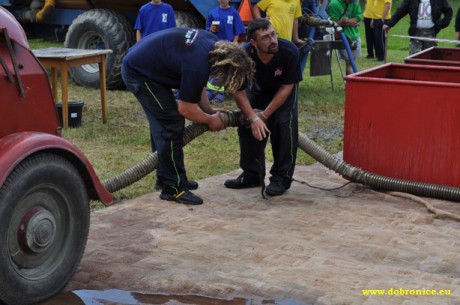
(368, 9)
(379, 6)
(282, 14)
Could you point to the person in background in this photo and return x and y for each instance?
(348, 14)
(283, 15)
(381, 11)
(309, 7)
(367, 18)
(154, 16)
(427, 18)
(312, 26)
(229, 28)
(275, 93)
(184, 58)
(230, 24)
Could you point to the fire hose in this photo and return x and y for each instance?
(350, 172)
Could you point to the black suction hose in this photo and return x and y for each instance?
(236, 118)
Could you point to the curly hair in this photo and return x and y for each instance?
(230, 66)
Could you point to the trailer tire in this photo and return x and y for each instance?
(44, 225)
(186, 19)
(100, 29)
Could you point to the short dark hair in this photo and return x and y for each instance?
(257, 24)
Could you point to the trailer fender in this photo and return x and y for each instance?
(17, 147)
(15, 30)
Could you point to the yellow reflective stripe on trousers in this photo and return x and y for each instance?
(290, 124)
(158, 102)
(174, 163)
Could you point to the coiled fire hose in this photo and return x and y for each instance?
(352, 173)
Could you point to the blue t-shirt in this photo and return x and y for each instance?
(230, 23)
(153, 18)
(174, 58)
(283, 69)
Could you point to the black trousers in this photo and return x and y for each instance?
(379, 39)
(283, 124)
(370, 40)
(166, 130)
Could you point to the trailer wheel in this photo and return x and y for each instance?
(100, 29)
(44, 224)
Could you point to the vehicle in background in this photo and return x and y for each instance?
(100, 24)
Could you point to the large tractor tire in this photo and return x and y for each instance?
(185, 19)
(44, 225)
(100, 29)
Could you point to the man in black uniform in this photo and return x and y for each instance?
(183, 59)
(275, 92)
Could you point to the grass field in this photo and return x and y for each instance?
(124, 140)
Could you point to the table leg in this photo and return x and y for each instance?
(54, 83)
(65, 96)
(102, 82)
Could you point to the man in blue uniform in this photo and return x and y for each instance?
(183, 59)
(275, 92)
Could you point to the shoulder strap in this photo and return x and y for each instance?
(344, 10)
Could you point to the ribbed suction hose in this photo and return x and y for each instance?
(236, 118)
(145, 167)
(373, 180)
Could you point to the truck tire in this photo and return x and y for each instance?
(100, 29)
(44, 225)
(186, 19)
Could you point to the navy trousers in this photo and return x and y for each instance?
(283, 125)
(166, 129)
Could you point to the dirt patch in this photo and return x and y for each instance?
(310, 245)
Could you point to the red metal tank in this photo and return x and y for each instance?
(401, 121)
(437, 56)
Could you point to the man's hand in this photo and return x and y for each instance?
(259, 130)
(353, 22)
(215, 123)
(262, 116)
(385, 27)
(299, 42)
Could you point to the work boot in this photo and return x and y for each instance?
(191, 185)
(184, 197)
(276, 188)
(242, 182)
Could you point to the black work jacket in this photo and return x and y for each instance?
(438, 8)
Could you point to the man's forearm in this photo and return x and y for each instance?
(279, 99)
(205, 105)
(386, 10)
(193, 112)
(242, 102)
(256, 12)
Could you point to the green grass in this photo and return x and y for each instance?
(124, 140)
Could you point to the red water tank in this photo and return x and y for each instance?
(402, 121)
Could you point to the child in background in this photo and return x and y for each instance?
(153, 17)
(231, 26)
(225, 22)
